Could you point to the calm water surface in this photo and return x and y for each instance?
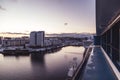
(51, 66)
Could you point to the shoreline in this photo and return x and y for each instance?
(28, 51)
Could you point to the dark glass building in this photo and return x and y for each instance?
(108, 28)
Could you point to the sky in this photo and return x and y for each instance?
(51, 16)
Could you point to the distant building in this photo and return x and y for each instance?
(1, 40)
(52, 41)
(40, 38)
(37, 39)
(33, 38)
(6, 42)
(47, 42)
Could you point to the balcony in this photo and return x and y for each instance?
(98, 67)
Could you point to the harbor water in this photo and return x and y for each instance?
(49, 66)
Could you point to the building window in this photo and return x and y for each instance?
(119, 45)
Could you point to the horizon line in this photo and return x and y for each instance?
(27, 33)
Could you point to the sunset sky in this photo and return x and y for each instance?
(52, 16)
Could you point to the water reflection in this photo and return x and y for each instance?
(37, 58)
(38, 66)
(1, 57)
(17, 57)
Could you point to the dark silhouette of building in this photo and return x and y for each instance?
(108, 28)
(105, 11)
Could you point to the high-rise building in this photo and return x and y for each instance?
(106, 11)
(40, 38)
(33, 38)
(108, 28)
(37, 39)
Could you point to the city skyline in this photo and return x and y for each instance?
(10, 34)
(54, 16)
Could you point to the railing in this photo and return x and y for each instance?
(80, 68)
(114, 69)
(110, 41)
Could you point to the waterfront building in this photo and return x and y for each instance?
(33, 38)
(47, 43)
(7, 42)
(40, 38)
(52, 41)
(37, 39)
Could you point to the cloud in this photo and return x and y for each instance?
(1, 8)
(14, 0)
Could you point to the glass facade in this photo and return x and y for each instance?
(110, 41)
(119, 45)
